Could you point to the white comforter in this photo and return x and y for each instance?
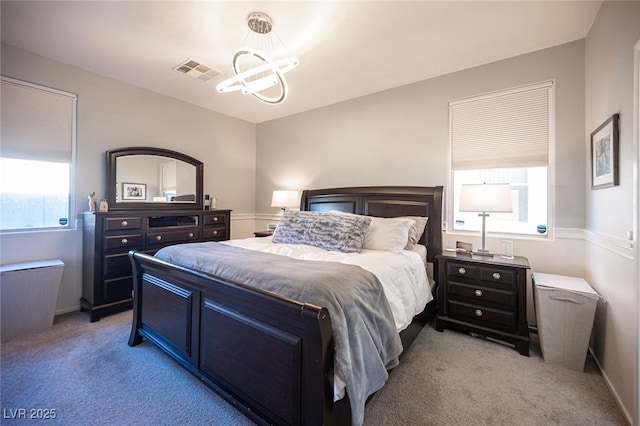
(402, 275)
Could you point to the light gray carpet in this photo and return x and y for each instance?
(89, 375)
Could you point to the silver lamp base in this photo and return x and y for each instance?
(482, 252)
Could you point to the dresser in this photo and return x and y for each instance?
(485, 296)
(107, 280)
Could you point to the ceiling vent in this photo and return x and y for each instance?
(196, 69)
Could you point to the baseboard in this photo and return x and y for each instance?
(67, 310)
(627, 416)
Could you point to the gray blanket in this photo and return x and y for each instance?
(366, 341)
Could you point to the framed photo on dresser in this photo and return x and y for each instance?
(604, 154)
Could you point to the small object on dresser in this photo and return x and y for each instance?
(214, 203)
(104, 206)
(463, 247)
(93, 202)
(207, 202)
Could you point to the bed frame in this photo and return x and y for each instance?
(268, 356)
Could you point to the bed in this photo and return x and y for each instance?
(268, 354)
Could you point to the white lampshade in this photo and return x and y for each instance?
(284, 198)
(486, 197)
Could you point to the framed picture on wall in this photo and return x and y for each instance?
(134, 191)
(604, 154)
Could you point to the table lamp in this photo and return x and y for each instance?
(485, 198)
(284, 198)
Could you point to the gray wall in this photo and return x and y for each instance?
(401, 136)
(112, 115)
(611, 212)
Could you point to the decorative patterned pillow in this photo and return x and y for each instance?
(329, 231)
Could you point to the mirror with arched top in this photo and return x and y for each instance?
(153, 178)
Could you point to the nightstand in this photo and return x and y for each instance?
(263, 233)
(484, 295)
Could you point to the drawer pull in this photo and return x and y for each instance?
(462, 271)
(190, 235)
(215, 219)
(158, 237)
(478, 293)
(496, 276)
(124, 223)
(124, 241)
(478, 313)
(215, 232)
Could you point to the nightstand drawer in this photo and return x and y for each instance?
(498, 275)
(481, 295)
(481, 315)
(463, 270)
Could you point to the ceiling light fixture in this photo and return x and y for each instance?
(257, 72)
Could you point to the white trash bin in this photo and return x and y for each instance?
(28, 293)
(565, 308)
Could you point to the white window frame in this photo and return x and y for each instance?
(71, 222)
(550, 234)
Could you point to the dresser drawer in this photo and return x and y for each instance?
(118, 289)
(484, 296)
(214, 219)
(125, 242)
(481, 315)
(170, 237)
(120, 223)
(214, 233)
(117, 265)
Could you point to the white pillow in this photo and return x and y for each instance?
(416, 231)
(389, 234)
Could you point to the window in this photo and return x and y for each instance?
(36, 156)
(504, 138)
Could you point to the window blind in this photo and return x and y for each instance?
(37, 123)
(505, 129)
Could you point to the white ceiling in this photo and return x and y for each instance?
(346, 49)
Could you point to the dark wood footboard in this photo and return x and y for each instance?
(270, 357)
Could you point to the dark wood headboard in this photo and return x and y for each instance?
(385, 201)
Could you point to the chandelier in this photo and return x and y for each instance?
(257, 71)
